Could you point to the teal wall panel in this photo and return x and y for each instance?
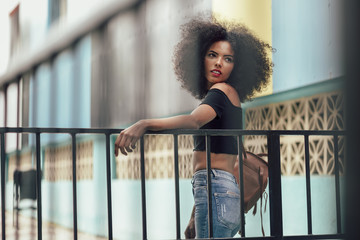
(60, 92)
(307, 36)
(160, 196)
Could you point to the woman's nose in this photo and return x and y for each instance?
(218, 62)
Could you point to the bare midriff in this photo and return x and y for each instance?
(220, 161)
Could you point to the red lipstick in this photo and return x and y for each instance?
(215, 72)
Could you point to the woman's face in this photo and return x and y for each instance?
(219, 62)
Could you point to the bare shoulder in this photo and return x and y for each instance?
(229, 91)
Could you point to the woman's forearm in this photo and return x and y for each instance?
(181, 121)
(129, 136)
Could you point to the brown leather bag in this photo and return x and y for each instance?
(255, 174)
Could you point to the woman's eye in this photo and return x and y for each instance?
(229, 60)
(211, 55)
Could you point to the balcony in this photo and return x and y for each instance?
(275, 191)
(38, 133)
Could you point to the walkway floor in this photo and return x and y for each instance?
(28, 230)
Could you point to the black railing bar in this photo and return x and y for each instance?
(240, 238)
(234, 238)
(60, 130)
(320, 236)
(60, 40)
(308, 184)
(3, 159)
(143, 190)
(108, 185)
(241, 182)
(18, 125)
(18, 112)
(223, 132)
(38, 186)
(208, 168)
(237, 132)
(73, 140)
(275, 198)
(337, 183)
(306, 132)
(17, 147)
(294, 237)
(229, 132)
(177, 195)
(35, 92)
(5, 88)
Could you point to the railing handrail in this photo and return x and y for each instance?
(59, 41)
(213, 132)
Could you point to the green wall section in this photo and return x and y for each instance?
(330, 85)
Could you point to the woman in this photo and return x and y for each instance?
(222, 64)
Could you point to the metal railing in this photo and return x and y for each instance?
(275, 198)
(98, 22)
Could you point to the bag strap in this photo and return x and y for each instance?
(261, 215)
(243, 149)
(262, 154)
(261, 200)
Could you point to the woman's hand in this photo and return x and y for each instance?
(128, 137)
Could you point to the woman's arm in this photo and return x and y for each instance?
(129, 136)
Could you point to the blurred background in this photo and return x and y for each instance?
(108, 63)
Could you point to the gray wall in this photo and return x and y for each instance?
(136, 50)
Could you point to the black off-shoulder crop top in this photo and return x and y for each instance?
(228, 116)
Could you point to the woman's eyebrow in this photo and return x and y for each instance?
(226, 55)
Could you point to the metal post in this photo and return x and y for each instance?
(176, 175)
(241, 183)
(276, 223)
(38, 185)
(337, 183)
(308, 185)
(143, 192)
(17, 162)
(73, 138)
(3, 159)
(208, 167)
(108, 179)
(5, 104)
(18, 120)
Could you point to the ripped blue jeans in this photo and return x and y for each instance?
(225, 204)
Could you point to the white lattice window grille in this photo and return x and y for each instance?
(318, 112)
(58, 162)
(159, 158)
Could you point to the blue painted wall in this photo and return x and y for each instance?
(60, 93)
(160, 196)
(307, 36)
